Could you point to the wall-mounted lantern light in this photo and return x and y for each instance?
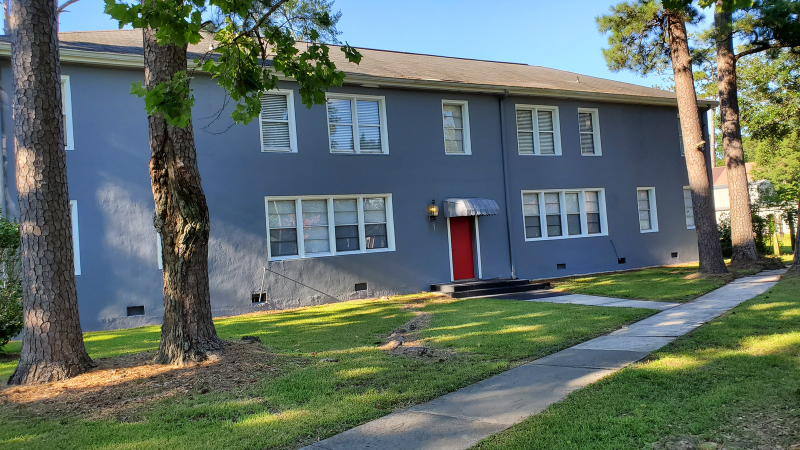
(433, 212)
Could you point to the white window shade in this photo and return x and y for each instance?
(356, 124)
(589, 131)
(538, 130)
(277, 122)
(329, 226)
(556, 214)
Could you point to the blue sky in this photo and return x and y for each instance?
(558, 34)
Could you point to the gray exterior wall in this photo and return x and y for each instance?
(108, 175)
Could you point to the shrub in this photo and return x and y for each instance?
(10, 283)
(724, 226)
(761, 232)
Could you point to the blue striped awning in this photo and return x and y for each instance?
(465, 207)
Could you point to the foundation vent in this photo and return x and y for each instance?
(674, 254)
(259, 297)
(136, 310)
(561, 267)
(361, 287)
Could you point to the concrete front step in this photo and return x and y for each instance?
(484, 288)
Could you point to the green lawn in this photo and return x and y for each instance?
(733, 381)
(308, 398)
(669, 284)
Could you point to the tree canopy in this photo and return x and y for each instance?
(254, 42)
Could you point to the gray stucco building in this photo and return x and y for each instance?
(542, 173)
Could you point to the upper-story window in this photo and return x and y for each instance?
(278, 132)
(688, 207)
(456, 127)
(589, 128)
(305, 227)
(538, 130)
(357, 124)
(66, 113)
(648, 215)
(563, 214)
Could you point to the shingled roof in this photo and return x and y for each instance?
(389, 67)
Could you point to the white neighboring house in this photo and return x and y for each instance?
(722, 202)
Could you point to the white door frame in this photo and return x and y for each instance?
(477, 244)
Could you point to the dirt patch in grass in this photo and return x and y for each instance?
(123, 387)
(766, 430)
(405, 341)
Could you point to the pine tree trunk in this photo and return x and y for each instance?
(744, 244)
(181, 218)
(52, 343)
(710, 250)
(792, 231)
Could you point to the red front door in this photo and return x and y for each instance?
(461, 247)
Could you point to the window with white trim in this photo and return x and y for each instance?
(538, 130)
(558, 214)
(278, 133)
(648, 216)
(357, 124)
(329, 226)
(66, 113)
(589, 129)
(455, 116)
(688, 207)
(76, 241)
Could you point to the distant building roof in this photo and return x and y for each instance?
(384, 67)
(720, 174)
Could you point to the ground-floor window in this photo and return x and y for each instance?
(648, 216)
(556, 214)
(688, 207)
(305, 227)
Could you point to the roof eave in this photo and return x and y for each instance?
(137, 61)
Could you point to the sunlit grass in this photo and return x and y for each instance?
(313, 398)
(738, 373)
(673, 284)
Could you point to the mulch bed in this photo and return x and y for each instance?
(123, 387)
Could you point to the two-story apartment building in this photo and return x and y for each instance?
(536, 173)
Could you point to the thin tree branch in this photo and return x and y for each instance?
(60, 9)
(758, 49)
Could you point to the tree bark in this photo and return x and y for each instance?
(742, 239)
(182, 220)
(52, 343)
(710, 250)
(792, 231)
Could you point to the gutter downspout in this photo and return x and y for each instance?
(506, 192)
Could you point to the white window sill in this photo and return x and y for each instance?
(539, 154)
(358, 154)
(690, 228)
(648, 231)
(458, 154)
(592, 155)
(277, 150)
(556, 238)
(326, 255)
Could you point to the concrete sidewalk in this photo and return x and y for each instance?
(462, 418)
